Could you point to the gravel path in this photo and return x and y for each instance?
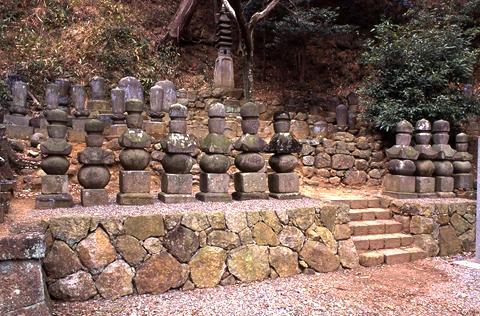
(433, 286)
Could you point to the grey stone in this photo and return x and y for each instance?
(208, 266)
(348, 255)
(182, 243)
(130, 249)
(236, 220)
(61, 261)
(144, 226)
(291, 237)
(223, 239)
(70, 229)
(115, 281)
(284, 261)
(263, 235)
(96, 251)
(319, 257)
(249, 263)
(75, 287)
(195, 221)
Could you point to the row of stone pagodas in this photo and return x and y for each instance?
(427, 171)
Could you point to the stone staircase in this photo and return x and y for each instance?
(377, 236)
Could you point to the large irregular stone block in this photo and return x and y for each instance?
(217, 220)
(318, 233)
(70, 229)
(427, 243)
(223, 239)
(459, 223)
(208, 266)
(348, 254)
(303, 218)
(342, 162)
(249, 263)
(397, 183)
(22, 246)
(182, 243)
(355, 177)
(448, 241)
(319, 257)
(75, 287)
(291, 237)
(195, 221)
(22, 284)
(468, 240)
(96, 251)
(115, 281)
(159, 274)
(323, 160)
(144, 226)
(130, 249)
(421, 225)
(61, 261)
(236, 220)
(271, 219)
(264, 235)
(284, 261)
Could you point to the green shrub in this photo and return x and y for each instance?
(418, 70)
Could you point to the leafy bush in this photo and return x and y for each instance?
(417, 71)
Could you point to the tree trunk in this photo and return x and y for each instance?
(180, 20)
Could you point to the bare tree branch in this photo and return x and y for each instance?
(258, 16)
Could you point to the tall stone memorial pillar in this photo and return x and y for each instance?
(177, 161)
(444, 181)
(424, 167)
(462, 168)
(17, 123)
(223, 73)
(214, 163)
(250, 182)
(284, 184)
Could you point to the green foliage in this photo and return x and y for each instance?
(417, 71)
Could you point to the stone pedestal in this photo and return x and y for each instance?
(444, 184)
(55, 184)
(47, 201)
(176, 188)
(400, 186)
(463, 180)
(115, 130)
(134, 187)
(284, 186)
(214, 188)
(425, 187)
(18, 127)
(156, 129)
(92, 197)
(250, 186)
(54, 192)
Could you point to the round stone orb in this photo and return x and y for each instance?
(249, 109)
(283, 163)
(217, 110)
(94, 126)
(57, 117)
(441, 138)
(249, 162)
(404, 127)
(462, 166)
(214, 163)
(55, 164)
(37, 139)
(401, 167)
(424, 168)
(93, 176)
(461, 138)
(423, 125)
(134, 159)
(177, 163)
(216, 125)
(134, 120)
(441, 126)
(443, 168)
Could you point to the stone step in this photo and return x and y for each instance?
(379, 226)
(382, 241)
(391, 256)
(369, 214)
(358, 203)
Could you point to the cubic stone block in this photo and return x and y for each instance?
(214, 182)
(250, 182)
(91, 197)
(47, 201)
(444, 184)
(463, 181)
(424, 184)
(176, 183)
(54, 184)
(283, 182)
(134, 198)
(134, 181)
(397, 183)
(19, 132)
(175, 198)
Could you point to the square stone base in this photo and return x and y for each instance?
(214, 182)
(55, 184)
(213, 197)
(446, 195)
(134, 181)
(425, 184)
(156, 129)
(285, 196)
(250, 182)
(175, 198)
(91, 197)
(283, 183)
(176, 183)
(463, 181)
(76, 135)
(243, 196)
(115, 130)
(17, 120)
(47, 201)
(396, 183)
(427, 195)
(134, 198)
(19, 132)
(444, 184)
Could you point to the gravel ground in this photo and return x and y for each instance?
(433, 286)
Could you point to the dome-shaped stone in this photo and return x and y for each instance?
(57, 116)
(94, 126)
(443, 168)
(133, 105)
(281, 115)
(93, 176)
(178, 111)
(461, 138)
(441, 126)
(401, 167)
(283, 163)
(424, 168)
(214, 163)
(217, 110)
(249, 109)
(462, 166)
(134, 159)
(404, 127)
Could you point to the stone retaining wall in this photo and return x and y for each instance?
(439, 228)
(117, 256)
